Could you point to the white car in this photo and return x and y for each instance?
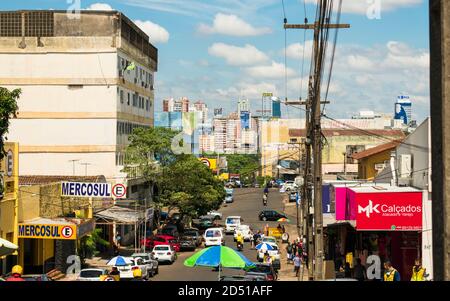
(91, 274)
(152, 264)
(141, 264)
(231, 223)
(214, 237)
(289, 186)
(275, 253)
(215, 213)
(269, 240)
(245, 231)
(164, 253)
(126, 271)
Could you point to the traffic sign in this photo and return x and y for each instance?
(67, 232)
(206, 162)
(119, 191)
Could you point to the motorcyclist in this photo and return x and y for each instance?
(16, 274)
(240, 240)
(266, 190)
(265, 199)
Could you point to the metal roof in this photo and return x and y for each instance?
(120, 214)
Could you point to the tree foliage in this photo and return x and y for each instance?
(183, 182)
(8, 110)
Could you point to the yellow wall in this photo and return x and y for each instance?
(366, 168)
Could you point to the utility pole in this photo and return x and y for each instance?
(73, 162)
(314, 133)
(85, 167)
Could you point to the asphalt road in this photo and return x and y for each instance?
(247, 204)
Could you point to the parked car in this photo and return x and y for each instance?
(164, 253)
(264, 270)
(270, 215)
(204, 222)
(289, 186)
(292, 197)
(231, 223)
(195, 234)
(242, 278)
(149, 260)
(275, 253)
(214, 237)
(216, 214)
(170, 230)
(187, 243)
(91, 274)
(157, 240)
(126, 271)
(245, 231)
(141, 264)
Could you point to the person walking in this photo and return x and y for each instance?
(418, 271)
(297, 263)
(390, 274)
(289, 252)
(255, 239)
(294, 248)
(347, 270)
(359, 271)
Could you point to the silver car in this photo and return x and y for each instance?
(91, 274)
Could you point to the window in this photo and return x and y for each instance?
(121, 96)
(128, 100)
(134, 188)
(135, 100)
(147, 105)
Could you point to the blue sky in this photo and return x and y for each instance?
(216, 50)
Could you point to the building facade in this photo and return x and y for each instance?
(86, 83)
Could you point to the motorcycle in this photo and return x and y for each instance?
(240, 247)
(265, 200)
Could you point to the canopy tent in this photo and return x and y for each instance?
(7, 247)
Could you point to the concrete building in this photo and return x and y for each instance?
(243, 106)
(79, 100)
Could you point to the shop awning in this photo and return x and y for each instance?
(7, 247)
(120, 215)
(329, 220)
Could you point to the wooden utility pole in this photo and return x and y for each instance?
(314, 138)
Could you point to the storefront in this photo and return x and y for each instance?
(378, 220)
(45, 244)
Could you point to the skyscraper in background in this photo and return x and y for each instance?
(276, 108)
(403, 109)
(243, 105)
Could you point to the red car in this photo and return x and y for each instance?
(162, 240)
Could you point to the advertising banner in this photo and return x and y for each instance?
(390, 211)
(86, 190)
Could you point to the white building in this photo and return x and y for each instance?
(78, 103)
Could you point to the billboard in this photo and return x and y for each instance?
(210, 163)
(388, 211)
(245, 120)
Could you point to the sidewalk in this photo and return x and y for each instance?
(286, 273)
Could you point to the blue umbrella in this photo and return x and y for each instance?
(264, 246)
(119, 261)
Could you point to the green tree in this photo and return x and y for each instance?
(89, 244)
(8, 110)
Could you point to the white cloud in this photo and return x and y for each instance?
(238, 56)
(275, 70)
(99, 6)
(362, 7)
(232, 25)
(295, 51)
(360, 62)
(157, 33)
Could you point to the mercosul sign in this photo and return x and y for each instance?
(391, 211)
(87, 190)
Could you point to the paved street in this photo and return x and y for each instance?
(247, 204)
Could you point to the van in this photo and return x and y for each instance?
(231, 223)
(214, 237)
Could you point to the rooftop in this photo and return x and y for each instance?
(42, 180)
(376, 150)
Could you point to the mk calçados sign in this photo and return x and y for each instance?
(92, 190)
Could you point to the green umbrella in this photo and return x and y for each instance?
(219, 256)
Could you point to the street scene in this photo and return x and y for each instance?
(269, 140)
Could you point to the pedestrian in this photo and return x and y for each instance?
(418, 271)
(283, 229)
(347, 270)
(297, 263)
(390, 274)
(16, 274)
(118, 239)
(359, 271)
(289, 252)
(255, 239)
(294, 248)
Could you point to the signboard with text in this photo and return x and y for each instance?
(86, 190)
(388, 211)
(50, 231)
